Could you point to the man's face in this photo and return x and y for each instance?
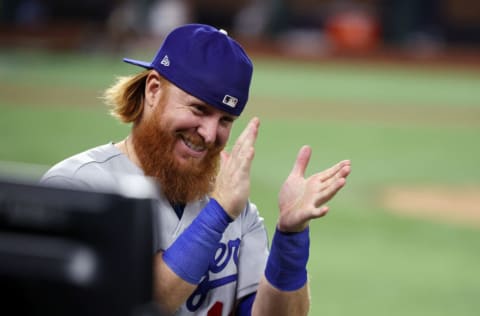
(197, 126)
(179, 142)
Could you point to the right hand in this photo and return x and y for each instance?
(303, 199)
(232, 187)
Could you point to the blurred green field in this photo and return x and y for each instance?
(400, 126)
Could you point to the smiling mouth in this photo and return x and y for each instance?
(190, 144)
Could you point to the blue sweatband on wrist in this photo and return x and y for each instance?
(190, 255)
(244, 307)
(286, 266)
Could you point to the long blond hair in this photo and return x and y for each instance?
(125, 97)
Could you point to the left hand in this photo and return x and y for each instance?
(232, 186)
(301, 200)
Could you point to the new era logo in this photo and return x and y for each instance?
(165, 61)
(230, 101)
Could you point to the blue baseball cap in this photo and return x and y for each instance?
(206, 63)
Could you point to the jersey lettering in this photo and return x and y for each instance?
(216, 309)
(225, 253)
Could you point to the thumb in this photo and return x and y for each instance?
(301, 163)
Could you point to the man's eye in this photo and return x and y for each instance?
(199, 109)
(226, 121)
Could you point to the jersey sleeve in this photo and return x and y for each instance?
(103, 168)
(89, 177)
(64, 182)
(253, 251)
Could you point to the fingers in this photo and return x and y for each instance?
(336, 173)
(232, 185)
(333, 171)
(247, 138)
(339, 178)
(301, 200)
(320, 211)
(329, 192)
(302, 161)
(328, 189)
(224, 156)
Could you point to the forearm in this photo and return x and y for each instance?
(271, 301)
(170, 291)
(179, 269)
(284, 288)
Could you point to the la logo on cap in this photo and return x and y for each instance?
(230, 101)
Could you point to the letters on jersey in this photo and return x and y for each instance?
(224, 255)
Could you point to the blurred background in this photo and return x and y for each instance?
(392, 85)
(315, 27)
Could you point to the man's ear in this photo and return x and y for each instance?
(152, 89)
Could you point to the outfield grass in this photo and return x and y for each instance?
(364, 260)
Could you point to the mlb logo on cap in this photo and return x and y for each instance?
(230, 101)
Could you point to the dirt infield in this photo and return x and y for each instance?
(377, 113)
(460, 205)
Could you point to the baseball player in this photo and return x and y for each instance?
(211, 250)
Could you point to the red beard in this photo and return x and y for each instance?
(181, 182)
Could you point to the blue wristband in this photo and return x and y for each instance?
(244, 307)
(190, 255)
(286, 266)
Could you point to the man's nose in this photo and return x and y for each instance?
(208, 129)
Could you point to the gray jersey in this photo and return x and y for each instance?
(240, 259)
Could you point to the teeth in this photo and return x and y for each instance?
(193, 146)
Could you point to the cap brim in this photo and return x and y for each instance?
(140, 63)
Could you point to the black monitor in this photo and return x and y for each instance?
(73, 252)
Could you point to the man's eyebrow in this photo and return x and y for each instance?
(197, 102)
(233, 118)
(210, 108)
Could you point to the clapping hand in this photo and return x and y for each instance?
(303, 199)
